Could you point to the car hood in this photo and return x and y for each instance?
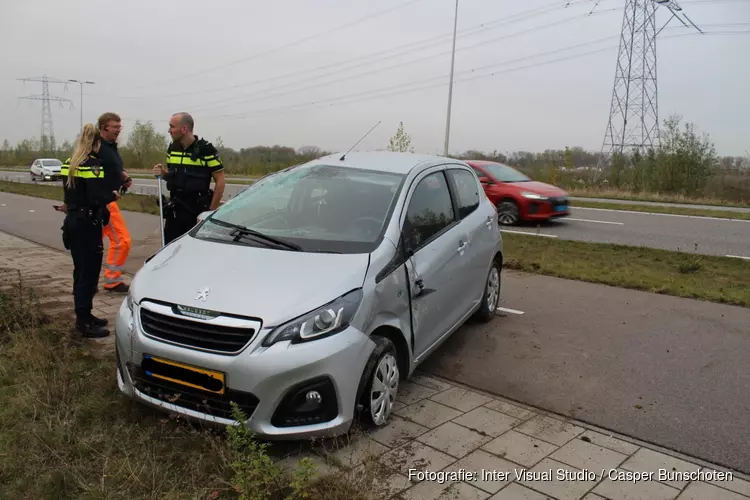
(273, 285)
(540, 188)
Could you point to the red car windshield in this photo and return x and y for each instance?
(504, 173)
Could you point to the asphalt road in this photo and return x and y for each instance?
(710, 236)
(667, 370)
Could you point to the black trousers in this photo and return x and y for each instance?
(83, 236)
(180, 217)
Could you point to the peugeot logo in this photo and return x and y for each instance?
(202, 294)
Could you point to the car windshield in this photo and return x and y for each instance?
(51, 163)
(317, 208)
(504, 173)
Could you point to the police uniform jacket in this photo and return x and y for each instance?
(190, 169)
(89, 192)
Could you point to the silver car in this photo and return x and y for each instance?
(309, 296)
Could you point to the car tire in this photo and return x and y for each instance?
(381, 383)
(491, 295)
(508, 213)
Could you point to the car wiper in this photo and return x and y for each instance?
(240, 231)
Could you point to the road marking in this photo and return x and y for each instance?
(511, 311)
(30, 210)
(655, 213)
(529, 234)
(597, 221)
(738, 257)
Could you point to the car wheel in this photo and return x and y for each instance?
(379, 394)
(32, 176)
(491, 295)
(507, 213)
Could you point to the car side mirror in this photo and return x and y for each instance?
(204, 215)
(485, 180)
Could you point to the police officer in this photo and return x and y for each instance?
(190, 165)
(86, 194)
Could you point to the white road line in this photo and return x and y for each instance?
(30, 210)
(655, 213)
(738, 257)
(505, 309)
(529, 234)
(597, 221)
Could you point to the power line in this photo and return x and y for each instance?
(263, 93)
(396, 88)
(363, 60)
(330, 102)
(290, 44)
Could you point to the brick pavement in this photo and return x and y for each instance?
(440, 426)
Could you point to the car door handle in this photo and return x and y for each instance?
(489, 221)
(462, 246)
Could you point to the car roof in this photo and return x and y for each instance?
(386, 161)
(47, 159)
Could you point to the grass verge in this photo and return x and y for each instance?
(716, 279)
(130, 201)
(657, 197)
(68, 433)
(655, 209)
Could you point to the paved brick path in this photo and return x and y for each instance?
(443, 427)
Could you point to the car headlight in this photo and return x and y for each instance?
(533, 196)
(324, 321)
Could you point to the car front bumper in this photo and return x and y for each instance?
(262, 381)
(546, 209)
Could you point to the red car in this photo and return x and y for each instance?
(517, 197)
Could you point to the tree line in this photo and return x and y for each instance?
(685, 163)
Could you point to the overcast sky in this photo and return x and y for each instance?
(323, 72)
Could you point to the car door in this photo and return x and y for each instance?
(435, 246)
(479, 224)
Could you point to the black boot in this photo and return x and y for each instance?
(98, 321)
(91, 330)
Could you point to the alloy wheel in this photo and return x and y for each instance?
(383, 389)
(507, 213)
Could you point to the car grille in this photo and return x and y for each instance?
(216, 405)
(199, 334)
(561, 200)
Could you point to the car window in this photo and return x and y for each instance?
(467, 191)
(51, 163)
(430, 210)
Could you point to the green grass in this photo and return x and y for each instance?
(67, 432)
(682, 274)
(654, 209)
(657, 197)
(130, 201)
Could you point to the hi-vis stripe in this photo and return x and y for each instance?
(185, 159)
(81, 171)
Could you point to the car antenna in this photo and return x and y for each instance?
(343, 157)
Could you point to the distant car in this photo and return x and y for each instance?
(517, 197)
(329, 283)
(46, 169)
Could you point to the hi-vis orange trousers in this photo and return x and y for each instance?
(119, 246)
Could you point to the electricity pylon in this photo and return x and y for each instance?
(634, 111)
(47, 136)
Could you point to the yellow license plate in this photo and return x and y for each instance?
(179, 373)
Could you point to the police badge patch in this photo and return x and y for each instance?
(96, 170)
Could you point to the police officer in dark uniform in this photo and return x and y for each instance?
(86, 195)
(190, 165)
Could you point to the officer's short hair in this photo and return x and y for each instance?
(105, 118)
(186, 120)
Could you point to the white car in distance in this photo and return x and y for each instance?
(46, 169)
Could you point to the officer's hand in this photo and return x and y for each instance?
(117, 195)
(159, 170)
